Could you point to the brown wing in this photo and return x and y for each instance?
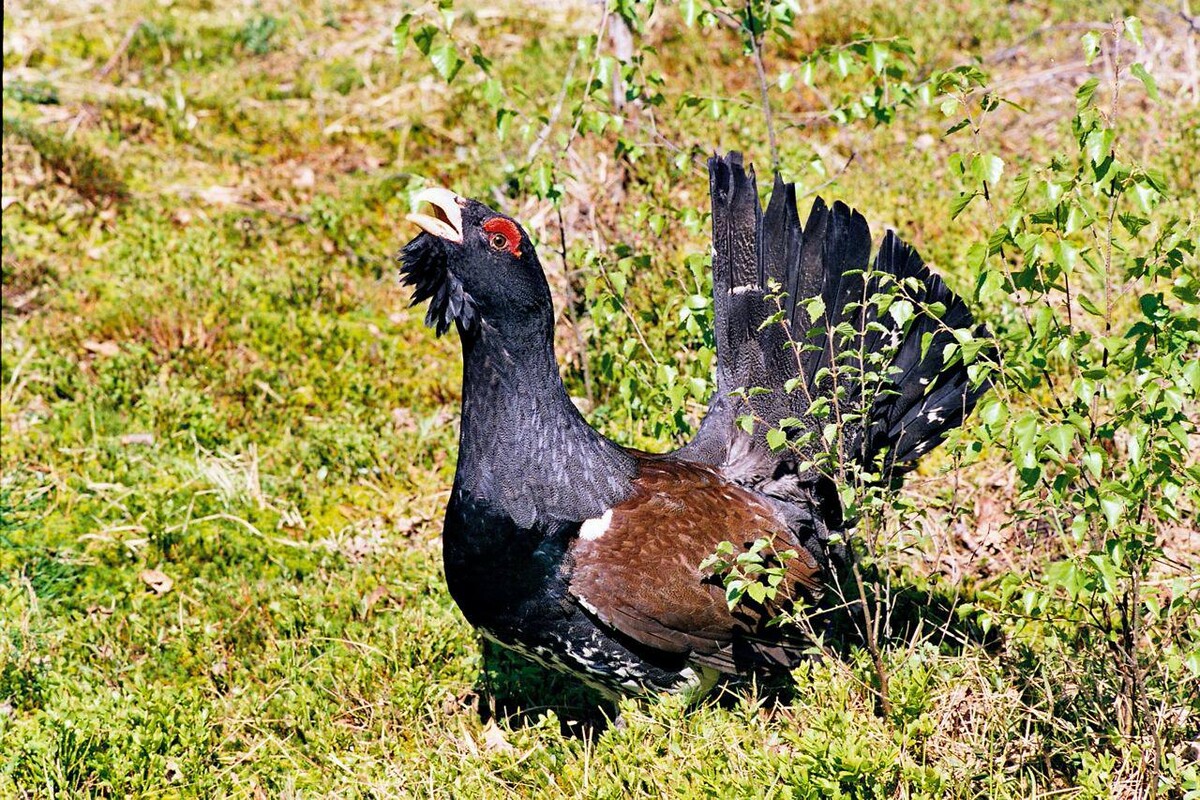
(639, 570)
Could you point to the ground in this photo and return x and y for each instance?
(228, 441)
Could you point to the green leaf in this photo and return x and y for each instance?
(483, 62)
(961, 202)
(1147, 80)
(1108, 573)
(1089, 306)
(1112, 507)
(1098, 145)
(746, 423)
(993, 412)
(446, 61)
(1091, 48)
(841, 63)
(829, 433)
(1191, 371)
(901, 311)
(543, 179)
(815, 308)
(1133, 30)
(734, 592)
(1132, 223)
(776, 439)
(1075, 219)
(1085, 93)
(808, 73)
(504, 116)
(987, 168)
(424, 37)
(990, 284)
(1065, 254)
(1145, 196)
(690, 10)
(977, 255)
(877, 54)
(493, 92)
(1061, 437)
(400, 35)
(757, 591)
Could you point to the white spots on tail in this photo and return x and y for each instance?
(935, 415)
(593, 529)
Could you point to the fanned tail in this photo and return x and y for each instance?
(801, 312)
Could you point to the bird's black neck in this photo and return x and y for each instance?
(525, 451)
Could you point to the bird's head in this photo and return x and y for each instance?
(474, 265)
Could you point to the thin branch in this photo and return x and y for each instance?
(115, 58)
(733, 23)
(756, 52)
(572, 317)
(544, 133)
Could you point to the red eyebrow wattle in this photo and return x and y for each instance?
(510, 231)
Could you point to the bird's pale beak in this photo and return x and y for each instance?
(446, 220)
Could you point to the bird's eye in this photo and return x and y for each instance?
(503, 235)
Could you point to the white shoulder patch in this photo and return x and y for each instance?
(593, 529)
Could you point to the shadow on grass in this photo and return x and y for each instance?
(519, 692)
(908, 611)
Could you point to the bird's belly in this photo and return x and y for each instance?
(592, 658)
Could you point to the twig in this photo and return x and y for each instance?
(10, 393)
(299, 219)
(1005, 53)
(637, 329)
(832, 178)
(1185, 15)
(587, 91)
(665, 142)
(733, 23)
(249, 526)
(544, 134)
(126, 40)
(871, 622)
(756, 52)
(571, 316)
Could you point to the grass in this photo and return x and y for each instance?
(210, 372)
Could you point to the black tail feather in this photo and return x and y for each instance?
(735, 260)
(884, 370)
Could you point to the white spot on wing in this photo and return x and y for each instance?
(593, 529)
(591, 608)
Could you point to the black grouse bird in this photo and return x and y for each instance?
(584, 555)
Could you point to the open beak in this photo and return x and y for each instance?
(446, 220)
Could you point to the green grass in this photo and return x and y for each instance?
(209, 370)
